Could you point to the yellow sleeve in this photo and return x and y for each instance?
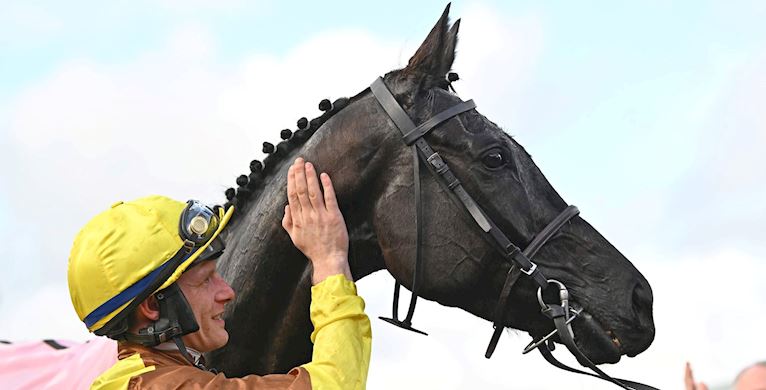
(342, 336)
(119, 375)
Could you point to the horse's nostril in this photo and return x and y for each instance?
(642, 302)
(641, 332)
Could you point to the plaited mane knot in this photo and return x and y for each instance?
(256, 166)
(340, 103)
(242, 180)
(247, 185)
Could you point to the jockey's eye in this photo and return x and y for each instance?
(494, 158)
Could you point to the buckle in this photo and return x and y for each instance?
(435, 160)
(531, 269)
(188, 246)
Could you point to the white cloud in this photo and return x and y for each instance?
(28, 22)
(738, 127)
(182, 5)
(496, 53)
(719, 198)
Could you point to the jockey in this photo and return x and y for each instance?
(143, 273)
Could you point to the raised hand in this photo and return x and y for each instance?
(314, 221)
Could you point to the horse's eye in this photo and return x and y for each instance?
(493, 159)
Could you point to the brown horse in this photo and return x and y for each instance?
(360, 147)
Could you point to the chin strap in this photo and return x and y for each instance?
(176, 319)
(182, 348)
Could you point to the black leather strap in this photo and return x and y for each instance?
(405, 126)
(513, 273)
(550, 230)
(391, 106)
(502, 303)
(418, 239)
(436, 120)
(625, 384)
(514, 255)
(435, 161)
(404, 123)
(567, 338)
(182, 348)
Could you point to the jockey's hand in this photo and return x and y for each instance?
(315, 223)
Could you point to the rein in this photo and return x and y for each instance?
(520, 261)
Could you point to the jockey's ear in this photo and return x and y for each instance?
(148, 310)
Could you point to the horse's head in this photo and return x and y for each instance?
(460, 267)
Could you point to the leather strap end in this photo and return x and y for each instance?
(493, 342)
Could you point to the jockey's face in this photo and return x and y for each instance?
(207, 294)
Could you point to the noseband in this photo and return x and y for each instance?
(520, 261)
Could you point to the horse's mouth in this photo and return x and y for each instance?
(598, 343)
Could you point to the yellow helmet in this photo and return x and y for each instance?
(135, 249)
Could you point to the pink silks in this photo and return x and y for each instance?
(55, 364)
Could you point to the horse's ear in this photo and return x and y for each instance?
(437, 53)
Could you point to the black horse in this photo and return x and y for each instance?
(357, 143)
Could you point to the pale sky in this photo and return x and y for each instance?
(648, 116)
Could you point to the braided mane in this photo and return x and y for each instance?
(252, 184)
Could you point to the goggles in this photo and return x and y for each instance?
(197, 224)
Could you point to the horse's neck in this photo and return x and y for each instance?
(269, 322)
(271, 279)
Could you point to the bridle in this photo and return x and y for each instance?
(520, 261)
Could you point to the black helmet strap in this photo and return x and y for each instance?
(176, 319)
